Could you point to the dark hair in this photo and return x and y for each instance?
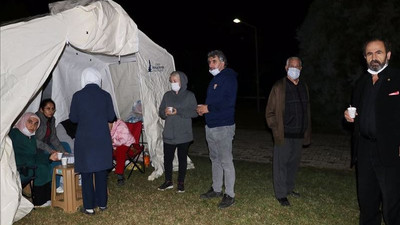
(219, 54)
(386, 43)
(44, 102)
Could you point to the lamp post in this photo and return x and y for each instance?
(236, 20)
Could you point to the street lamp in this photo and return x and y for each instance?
(236, 20)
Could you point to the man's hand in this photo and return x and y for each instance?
(201, 109)
(347, 116)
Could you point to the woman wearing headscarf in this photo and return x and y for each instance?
(92, 109)
(27, 155)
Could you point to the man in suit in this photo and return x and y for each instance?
(377, 136)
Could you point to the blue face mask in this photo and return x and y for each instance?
(293, 73)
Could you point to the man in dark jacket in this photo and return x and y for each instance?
(219, 111)
(377, 136)
(288, 115)
(92, 109)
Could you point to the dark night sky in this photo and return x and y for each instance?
(190, 30)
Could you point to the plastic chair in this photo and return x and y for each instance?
(27, 178)
(136, 149)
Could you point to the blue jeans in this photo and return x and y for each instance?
(56, 163)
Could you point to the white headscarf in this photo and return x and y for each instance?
(90, 76)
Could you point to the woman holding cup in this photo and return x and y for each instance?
(177, 108)
(26, 155)
(46, 136)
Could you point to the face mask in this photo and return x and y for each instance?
(293, 73)
(175, 86)
(376, 72)
(214, 72)
(27, 132)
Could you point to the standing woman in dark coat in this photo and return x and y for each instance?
(92, 109)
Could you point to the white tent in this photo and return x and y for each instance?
(102, 35)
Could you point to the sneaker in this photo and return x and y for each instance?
(103, 208)
(211, 194)
(121, 180)
(88, 211)
(46, 204)
(294, 194)
(166, 185)
(181, 188)
(226, 202)
(60, 190)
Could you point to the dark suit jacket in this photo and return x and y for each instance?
(387, 114)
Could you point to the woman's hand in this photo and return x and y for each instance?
(53, 156)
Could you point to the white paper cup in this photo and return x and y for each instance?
(170, 109)
(352, 112)
(59, 155)
(64, 161)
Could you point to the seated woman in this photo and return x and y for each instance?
(27, 154)
(46, 135)
(121, 140)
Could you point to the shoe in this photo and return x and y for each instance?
(166, 185)
(60, 190)
(284, 201)
(121, 179)
(294, 194)
(103, 208)
(226, 202)
(181, 188)
(88, 211)
(46, 204)
(211, 194)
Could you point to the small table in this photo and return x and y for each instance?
(71, 199)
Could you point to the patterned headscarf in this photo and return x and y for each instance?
(21, 124)
(90, 76)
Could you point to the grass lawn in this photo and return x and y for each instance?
(327, 197)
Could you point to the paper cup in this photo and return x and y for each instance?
(64, 161)
(352, 112)
(170, 109)
(59, 155)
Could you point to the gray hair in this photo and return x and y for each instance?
(219, 54)
(293, 58)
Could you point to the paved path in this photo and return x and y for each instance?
(325, 151)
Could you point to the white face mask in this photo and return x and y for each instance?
(27, 132)
(175, 86)
(214, 72)
(293, 73)
(376, 72)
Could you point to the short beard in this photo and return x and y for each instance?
(377, 67)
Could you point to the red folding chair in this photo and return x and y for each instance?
(136, 150)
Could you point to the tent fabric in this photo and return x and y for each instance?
(29, 52)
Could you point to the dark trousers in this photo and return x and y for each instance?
(286, 161)
(41, 194)
(377, 186)
(169, 153)
(94, 194)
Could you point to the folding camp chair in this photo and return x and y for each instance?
(136, 150)
(27, 178)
